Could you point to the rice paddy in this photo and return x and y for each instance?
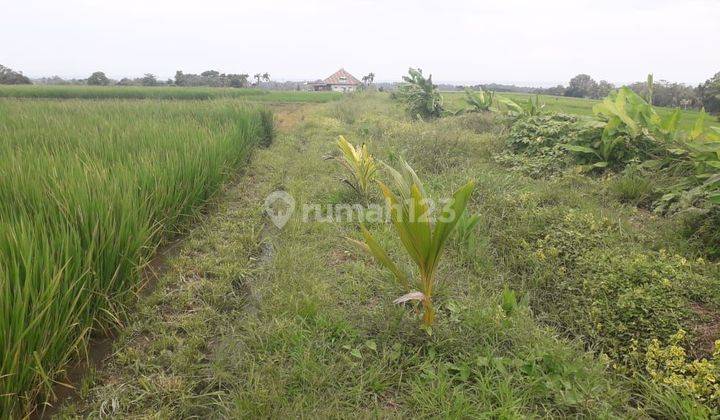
(162, 92)
(88, 190)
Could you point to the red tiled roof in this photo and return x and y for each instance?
(342, 77)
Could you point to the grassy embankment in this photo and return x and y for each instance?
(88, 190)
(252, 321)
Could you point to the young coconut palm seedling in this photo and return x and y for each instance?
(361, 165)
(464, 230)
(422, 236)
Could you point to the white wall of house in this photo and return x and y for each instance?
(343, 88)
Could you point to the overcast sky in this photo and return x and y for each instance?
(528, 42)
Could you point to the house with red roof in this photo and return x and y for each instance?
(340, 81)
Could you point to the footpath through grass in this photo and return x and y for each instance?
(255, 321)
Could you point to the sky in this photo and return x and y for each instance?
(525, 42)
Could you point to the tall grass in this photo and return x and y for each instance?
(161, 92)
(87, 192)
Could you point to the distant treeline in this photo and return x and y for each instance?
(680, 95)
(676, 95)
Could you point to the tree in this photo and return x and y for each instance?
(668, 94)
(709, 93)
(10, 77)
(603, 89)
(581, 86)
(237, 80)
(266, 77)
(179, 78)
(369, 78)
(149, 80)
(210, 73)
(98, 79)
(558, 90)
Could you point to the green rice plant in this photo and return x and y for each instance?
(421, 97)
(162, 92)
(480, 100)
(422, 236)
(88, 191)
(267, 124)
(359, 163)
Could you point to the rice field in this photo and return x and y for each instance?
(162, 92)
(88, 190)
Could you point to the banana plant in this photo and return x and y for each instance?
(421, 96)
(480, 100)
(627, 113)
(625, 118)
(508, 106)
(534, 106)
(359, 163)
(422, 236)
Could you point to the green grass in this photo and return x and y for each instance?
(252, 321)
(87, 192)
(576, 106)
(162, 92)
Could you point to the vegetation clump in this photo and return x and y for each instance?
(697, 379)
(618, 298)
(536, 144)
